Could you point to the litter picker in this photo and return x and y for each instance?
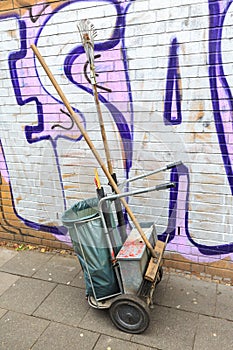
(87, 34)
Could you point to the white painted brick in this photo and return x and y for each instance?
(157, 5)
(140, 5)
(150, 27)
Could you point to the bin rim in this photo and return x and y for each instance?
(96, 214)
(85, 219)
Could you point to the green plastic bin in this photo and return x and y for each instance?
(90, 244)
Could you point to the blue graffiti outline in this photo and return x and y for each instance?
(182, 170)
(30, 130)
(215, 61)
(125, 132)
(172, 79)
(215, 34)
(12, 61)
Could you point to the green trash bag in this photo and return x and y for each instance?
(90, 244)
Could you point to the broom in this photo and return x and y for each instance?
(88, 34)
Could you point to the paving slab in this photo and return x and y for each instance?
(189, 314)
(26, 263)
(61, 269)
(169, 329)
(100, 322)
(59, 336)
(25, 295)
(19, 332)
(79, 281)
(6, 255)
(224, 305)
(66, 304)
(190, 294)
(107, 342)
(160, 290)
(214, 333)
(6, 280)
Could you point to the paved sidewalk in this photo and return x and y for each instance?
(43, 306)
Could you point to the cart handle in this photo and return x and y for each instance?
(126, 194)
(166, 167)
(132, 193)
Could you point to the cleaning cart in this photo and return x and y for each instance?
(117, 274)
(122, 264)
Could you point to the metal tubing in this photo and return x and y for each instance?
(132, 193)
(166, 167)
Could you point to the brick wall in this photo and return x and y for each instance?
(168, 65)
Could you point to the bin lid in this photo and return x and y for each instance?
(134, 246)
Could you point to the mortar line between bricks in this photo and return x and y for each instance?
(30, 314)
(106, 334)
(112, 336)
(89, 307)
(193, 312)
(43, 280)
(216, 297)
(30, 278)
(195, 334)
(44, 263)
(4, 313)
(8, 261)
(96, 341)
(40, 335)
(151, 346)
(55, 285)
(21, 275)
(130, 340)
(62, 283)
(65, 324)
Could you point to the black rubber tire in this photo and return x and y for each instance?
(130, 314)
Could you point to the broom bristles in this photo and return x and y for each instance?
(87, 33)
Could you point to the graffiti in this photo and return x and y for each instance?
(222, 101)
(173, 115)
(89, 80)
(65, 127)
(27, 91)
(126, 72)
(35, 18)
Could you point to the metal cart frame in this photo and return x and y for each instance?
(130, 312)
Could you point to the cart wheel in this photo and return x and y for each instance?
(130, 314)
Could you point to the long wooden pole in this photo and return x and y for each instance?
(102, 128)
(91, 146)
(87, 34)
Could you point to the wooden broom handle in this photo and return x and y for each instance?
(102, 129)
(91, 146)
